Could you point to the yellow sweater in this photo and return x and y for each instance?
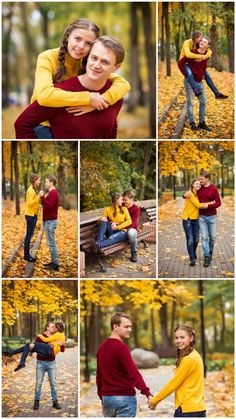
(47, 95)
(187, 46)
(32, 202)
(191, 207)
(53, 339)
(188, 384)
(124, 220)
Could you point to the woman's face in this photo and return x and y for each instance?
(182, 339)
(80, 42)
(119, 201)
(37, 182)
(198, 39)
(197, 185)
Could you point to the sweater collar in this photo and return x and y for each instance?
(72, 62)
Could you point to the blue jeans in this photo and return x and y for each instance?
(193, 83)
(31, 223)
(190, 100)
(208, 232)
(119, 406)
(106, 236)
(42, 349)
(43, 132)
(41, 368)
(180, 414)
(50, 227)
(191, 228)
(132, 237)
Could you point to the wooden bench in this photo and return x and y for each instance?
(89, 230)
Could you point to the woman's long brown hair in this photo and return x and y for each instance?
(190, 348)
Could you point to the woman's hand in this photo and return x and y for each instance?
(59, 343)
(80, 110)
(31, 346)
(114, 226)
(150, 405)
(98, 101)
(41, 193)
(103, 219)
(204, 206)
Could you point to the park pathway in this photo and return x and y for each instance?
(90, 405)
(173, 260)
(18, 389)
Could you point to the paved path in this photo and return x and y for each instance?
(119, 265)
(155, 379)
(18, 389)
(173, 260)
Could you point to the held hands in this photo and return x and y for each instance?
(150, 405)
(59, 342)
(41, 193)
(114, 226)
(204, 206)
(80, 110)
(98, 101)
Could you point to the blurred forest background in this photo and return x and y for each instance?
(176, 22)
(109, 166)
(32, 27)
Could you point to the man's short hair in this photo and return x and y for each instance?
(129, 193)
(205, 174)
(113, 44)
(116, 318)
(34, 177)
(59, 326)
(196, 34)
(52, 179)
(48, 323)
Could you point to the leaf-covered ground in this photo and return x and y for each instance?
(18, 388)
(219, 113)
(13, 230)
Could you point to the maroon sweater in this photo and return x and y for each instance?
(134, 213)
(50, 205)
(210, 193)
(52, 357)
(117, 374)
(198, 67)
(96, 124)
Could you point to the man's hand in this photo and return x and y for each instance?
(41, 193)
(187, 194)
(80, 110)
(204, 57)
(98, 101)
(103, 219)
(31, 346)
(150, 405)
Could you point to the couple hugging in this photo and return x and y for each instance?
(118, 376)
(200, 204)
(119, 222)
(77, 93)
(50, 203)
(47, 346)
(193, 60)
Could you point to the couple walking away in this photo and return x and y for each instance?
(200, 204)
(117, 375)
(192, 63)
(50, 203)
(47, 346)
(119, 222)
(77, 93)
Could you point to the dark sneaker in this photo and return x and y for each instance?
(202, 125)
(195, 255)
(19, 367)
(192, 262)
(134, 257)
(193, 126)
(95, 246)
(56, 405)
(210, 256)
(206, 262)
(52, 267)
(199, 93)
(220, 96)
(30, 259)
(7, 354)
(36, 405)
(47, 264)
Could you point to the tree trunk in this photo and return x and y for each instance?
(165, 340)
(153, 328)
(61, 184)
(167, 31)
(214, 47)
(16, 173)
(6, 55)
(222, 332)
(229, 25)
(186, 33)
(172, 325)
(202, 324)
(162, 36)
(4, 191)
(146, 161)
(11, 174)
(43, 9)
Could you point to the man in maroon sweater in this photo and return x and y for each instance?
(117, 375)
(208, 216)
(105, 58)
(50, 203)
(198, 69)
(46, 365)
(134, 212)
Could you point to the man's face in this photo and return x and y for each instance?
(204, 43)
(51, 328)
(128, 201)
(101, 62)
(124, 329)
(203, 180)
(48, 184)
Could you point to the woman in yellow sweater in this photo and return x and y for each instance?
(190, 220)
(50, 348)
(186, 51)
(188, 381)
(115, 221)
(68, 61)
(31, 213)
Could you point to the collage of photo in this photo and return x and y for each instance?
(117, 209)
